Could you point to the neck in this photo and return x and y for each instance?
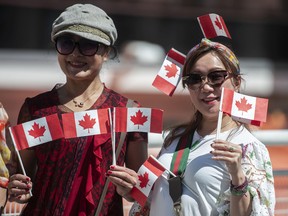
(79, 98)
(210, 127)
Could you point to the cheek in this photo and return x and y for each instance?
(193, 96)
(61, 62)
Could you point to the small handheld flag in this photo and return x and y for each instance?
(147, 175)
(170, 72)
(244, 108)
(213, 25)
(36, 132)
(86, 123)
(138, 119)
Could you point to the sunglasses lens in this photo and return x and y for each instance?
(193, 79)
(216, 78)
(88, 48)
(65, 46)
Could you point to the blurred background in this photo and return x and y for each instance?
(147, 30)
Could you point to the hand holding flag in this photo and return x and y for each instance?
(170, 72)
(147, 175)
(35, 132)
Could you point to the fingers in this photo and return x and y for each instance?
(222, 146)
(226, 151)
(123, 178)
(18, 186)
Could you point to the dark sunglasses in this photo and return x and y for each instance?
(195, 81)
(66, 45)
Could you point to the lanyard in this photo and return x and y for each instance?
(180, 156)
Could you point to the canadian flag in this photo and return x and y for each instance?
(138, 119)
(86, 123)
(170, 72)
(213, 25)
(243, 108)
(147, 175)
(36, 132)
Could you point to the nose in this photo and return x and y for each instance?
(205, 85)
(76, 51)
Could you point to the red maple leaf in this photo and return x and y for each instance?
(138, 119)
(144, 179)
(37, 131)
(172, 70)
(218, 23)
(87, 123)
(243, 105)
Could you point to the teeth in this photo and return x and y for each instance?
(77, 63)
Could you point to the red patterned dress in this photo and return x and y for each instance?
(71, 172)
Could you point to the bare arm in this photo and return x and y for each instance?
(231, 154)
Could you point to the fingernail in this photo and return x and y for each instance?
(112, 167)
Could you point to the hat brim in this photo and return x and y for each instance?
(85, 35)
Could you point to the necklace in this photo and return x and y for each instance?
(209, 131)
(81, 104)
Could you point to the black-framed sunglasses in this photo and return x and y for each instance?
(66, 45)
(195, 81)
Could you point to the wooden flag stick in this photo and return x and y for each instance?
(220, 115)
(19, 157)
(112, 136)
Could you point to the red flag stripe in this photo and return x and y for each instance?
(163, 85)
(261, 109)
(138, 196)
(156, 121)
(154, 167)
(120, 113)
(54, 126)
(207, 26)
(103, 120)
(177, 56)
(68, 121)
(227, 100)
(19, 137)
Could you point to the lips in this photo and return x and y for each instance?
(211, 99)
(76, 64)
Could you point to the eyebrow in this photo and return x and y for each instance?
(211, 71)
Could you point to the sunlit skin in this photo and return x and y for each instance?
(82, 79)
(82, 73)
(79, 67)
(206, 99)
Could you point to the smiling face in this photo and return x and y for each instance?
(78, 67)
(206, 98)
